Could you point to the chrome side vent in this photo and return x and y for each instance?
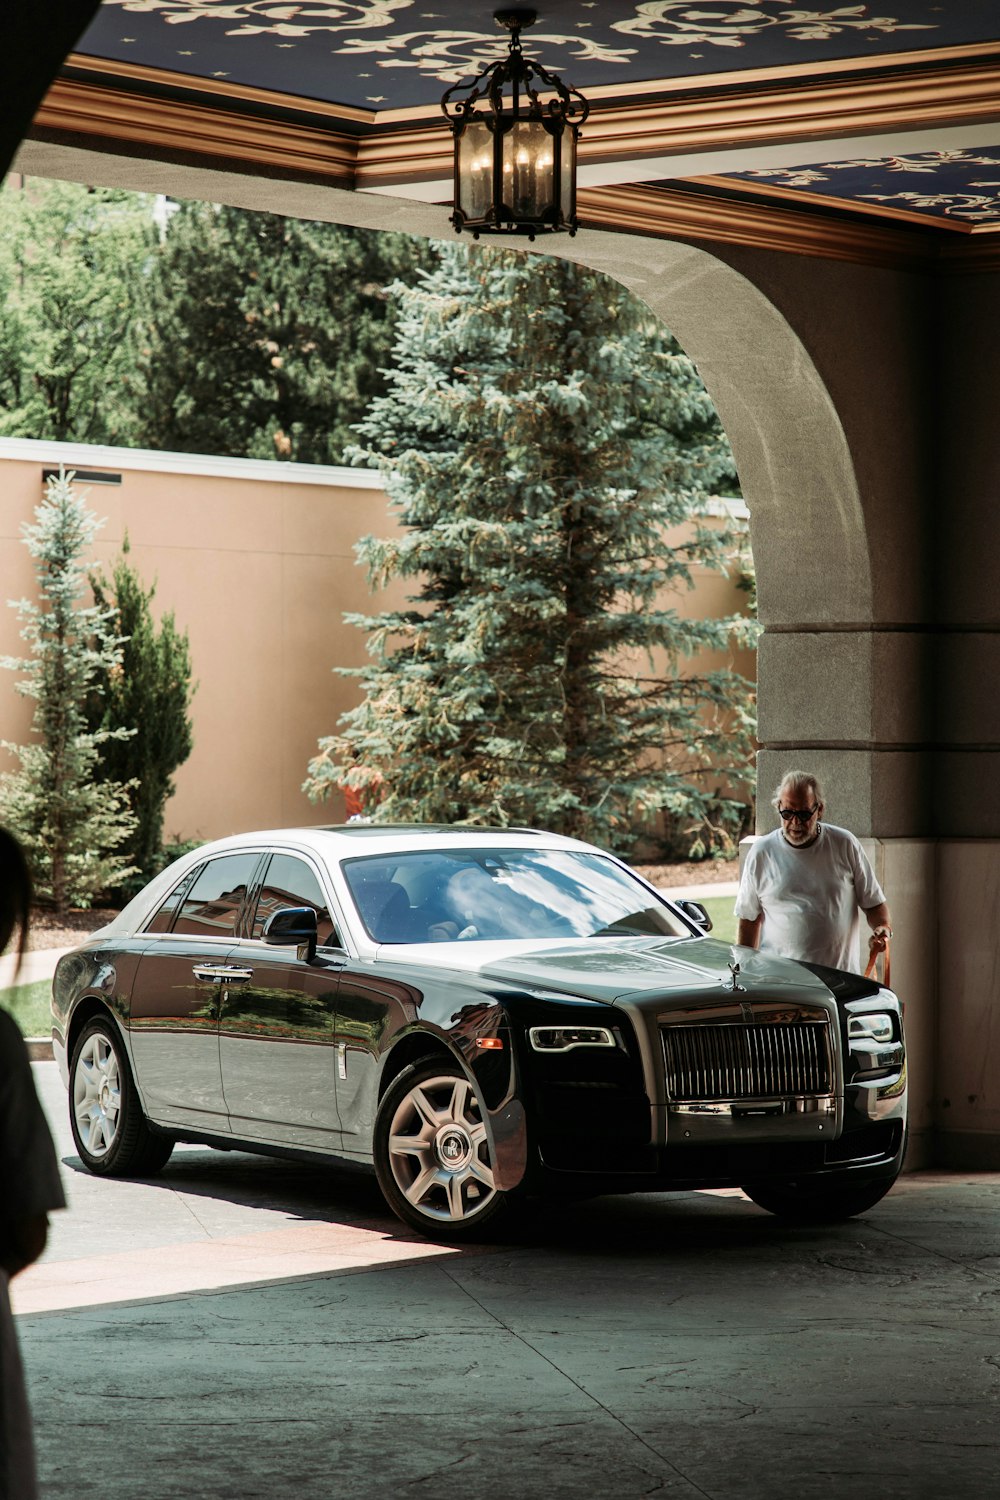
(747, 1060)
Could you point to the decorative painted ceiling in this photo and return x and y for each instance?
(798, 120)
(958, 188)
(401, 53)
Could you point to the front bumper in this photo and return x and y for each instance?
(867, 1155)
(756, 1092)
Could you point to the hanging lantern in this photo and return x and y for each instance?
(515, 155)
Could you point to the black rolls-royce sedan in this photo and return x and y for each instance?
(478, 1014)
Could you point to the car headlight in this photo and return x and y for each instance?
(565, 1038)
(874, 1027)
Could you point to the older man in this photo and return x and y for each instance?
(805, 885)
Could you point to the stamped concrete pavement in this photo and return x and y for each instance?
(241, 1328)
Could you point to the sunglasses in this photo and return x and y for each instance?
(788, 814)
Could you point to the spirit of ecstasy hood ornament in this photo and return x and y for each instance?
(734, 970)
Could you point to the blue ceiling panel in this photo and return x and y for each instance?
(381, 54)
(958, 188)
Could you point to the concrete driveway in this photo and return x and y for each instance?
(240, 1328)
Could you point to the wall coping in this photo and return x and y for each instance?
(99, 456)
(211, 465)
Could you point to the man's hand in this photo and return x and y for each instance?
(879, 921)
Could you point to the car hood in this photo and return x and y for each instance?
(631, 970)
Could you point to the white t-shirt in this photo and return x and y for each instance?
(811, 898)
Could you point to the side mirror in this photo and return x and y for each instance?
(292, 924)
(696, 913)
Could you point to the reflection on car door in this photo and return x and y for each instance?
(370, 1009)
(277, 1023)
(174, 1012)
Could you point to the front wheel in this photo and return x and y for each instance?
(818, 1202)
(109, 1128)
(432, 1153)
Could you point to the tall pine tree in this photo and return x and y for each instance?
(71, 824)
(265, 337)
(147, 690)
(540, 434)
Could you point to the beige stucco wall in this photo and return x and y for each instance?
(257, 565)
(256, 560)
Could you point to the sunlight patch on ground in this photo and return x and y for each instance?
(212, 1265)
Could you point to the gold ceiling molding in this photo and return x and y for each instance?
(673, 213)
(977, 254)
(790, 110)
(112, 74)
(934, 63)
(615, 132)
(794, 112)
(809, 198)
(106, 119)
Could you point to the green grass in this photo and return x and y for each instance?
(29, 1005)
(720, 909)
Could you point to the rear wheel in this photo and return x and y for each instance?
(818, 1202)
(109, 1128)
(432, 1154)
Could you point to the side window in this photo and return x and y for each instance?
(211, 908)
(165, 914)
(291, 882)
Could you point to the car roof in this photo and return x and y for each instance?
(336, 842)
(348, 839)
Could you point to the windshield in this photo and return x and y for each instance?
(458, 895)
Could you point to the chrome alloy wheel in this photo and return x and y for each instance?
(439, 1151)
(97, 1096)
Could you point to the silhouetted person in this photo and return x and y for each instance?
(29, 1188)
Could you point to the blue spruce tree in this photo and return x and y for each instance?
(540, 434)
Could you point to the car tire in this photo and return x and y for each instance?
(818, 1202)
(432, 1154)
(109, 1128)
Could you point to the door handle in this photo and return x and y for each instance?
(231, 973)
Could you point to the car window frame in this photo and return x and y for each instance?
(188, 880)
(319, 873)
(179, 890)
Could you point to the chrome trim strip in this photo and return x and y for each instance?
(797, 1105)
(606, 1038)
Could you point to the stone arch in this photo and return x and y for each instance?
(792, 453)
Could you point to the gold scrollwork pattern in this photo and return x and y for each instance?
(675, 23)
(272, 17)
(952, 199)
(445, 55)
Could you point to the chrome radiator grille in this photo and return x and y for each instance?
(746, 1060)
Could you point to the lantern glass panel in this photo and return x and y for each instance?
(567, 173)
(528, 162)
(475, 170)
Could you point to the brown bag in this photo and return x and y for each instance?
(870, 972)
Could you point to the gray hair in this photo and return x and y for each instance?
(797, 781)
